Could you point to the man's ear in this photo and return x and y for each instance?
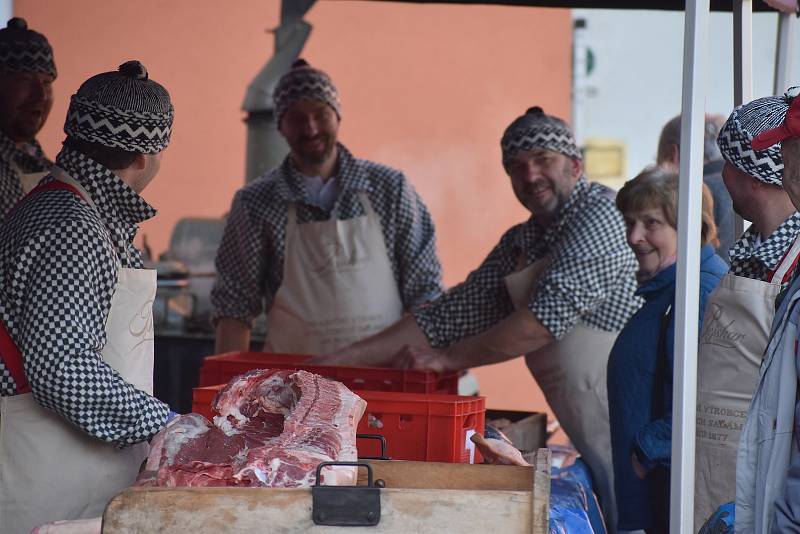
(675, 155)
(577, 168)
(139, 162)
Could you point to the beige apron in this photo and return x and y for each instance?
(572, 375)
(735, 332)
(338, 285)
(51, 470)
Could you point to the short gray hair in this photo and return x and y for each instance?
(671, 135)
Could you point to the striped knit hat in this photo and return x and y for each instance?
(122, 109)
(536, 129)
(304, 82)
(790, 128)
(746, 122)
(24, 50)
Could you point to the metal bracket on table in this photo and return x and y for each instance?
(345, 506)
(380, 438)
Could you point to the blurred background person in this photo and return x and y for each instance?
(668, 157)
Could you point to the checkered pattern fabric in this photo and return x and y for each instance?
(58, 270)
(536, 129)
(24, 50)
(590, 280)
(750, 261)
(28, 159)
(737, 134)
(250, 257)
(122, 109)
(303, 82)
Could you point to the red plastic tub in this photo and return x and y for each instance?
(417, 426)
(221, 368)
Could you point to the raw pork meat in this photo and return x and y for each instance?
(274, 428)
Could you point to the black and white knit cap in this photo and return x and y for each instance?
(24, 50)
(747, 121)
(536, 129)
(303, 82)
(122, 109)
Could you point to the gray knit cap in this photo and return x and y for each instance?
(304, 82)
(122, 109)
(535, 129)
(24, 50)
(736, 137)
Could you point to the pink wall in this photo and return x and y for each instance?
(425, 88)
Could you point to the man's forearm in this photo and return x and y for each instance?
(379, 350)
(232, 336)
(519, 333)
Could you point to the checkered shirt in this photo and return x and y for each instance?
(250, 258)
(30, 159)
(58, 270)
(759, 263)
(590, 280)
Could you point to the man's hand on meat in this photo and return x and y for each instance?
(437, 360)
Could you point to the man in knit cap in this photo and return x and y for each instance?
(27, 72)
(557, 288)
(332, 248)
(740, 311)
(768, 469)
(76, 329)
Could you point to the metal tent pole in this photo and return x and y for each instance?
(784, 51)
(684, 392)
(742, 67)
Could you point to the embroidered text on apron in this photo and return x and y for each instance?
(338, 285)
(735, 332)
(51, 470)
(572, 375)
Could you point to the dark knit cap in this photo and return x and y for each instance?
(122, 109)
(536, 129)
(24, 50)
(303, 82)
(746, 122)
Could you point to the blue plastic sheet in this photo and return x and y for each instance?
(573, 505)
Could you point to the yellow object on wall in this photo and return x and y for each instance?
(605, 161)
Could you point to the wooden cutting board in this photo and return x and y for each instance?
(420, 497)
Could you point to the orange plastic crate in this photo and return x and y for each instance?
(417, 426)
(222, 368)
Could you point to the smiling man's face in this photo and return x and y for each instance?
(543, 180)
(25, 103)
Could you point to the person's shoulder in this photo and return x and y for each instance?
(712, 270)
(56, 220)
(380, 173)
(595, 214)
(264, 185)
(599, 193)
(599, 199)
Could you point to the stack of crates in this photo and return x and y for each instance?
(417, 411)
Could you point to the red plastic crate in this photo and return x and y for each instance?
(417, 426)
(423, 427)
(222, 368)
